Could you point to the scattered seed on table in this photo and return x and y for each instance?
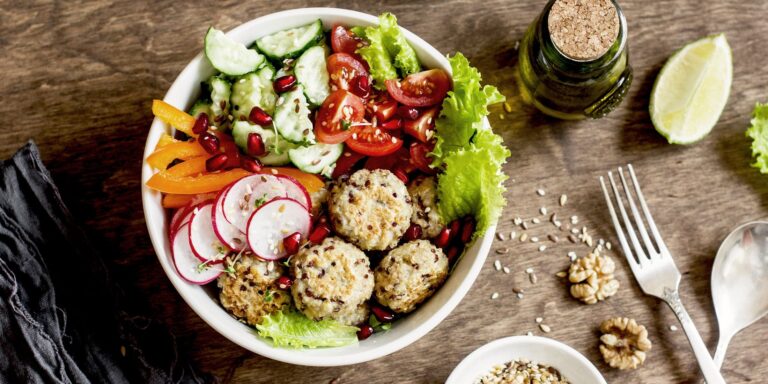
(608, 245)
(545, 328)
(520, 295)
(540, 192)
(517, 221)
(501, 116)
(539, 320)
(497, 265)
(507, 107)
(529, 270)
(524, 225)
(542, 248)
(601, 242)
(523, 237)
(561, 274)
(506, 270)
(572, 255)
(500, 236)
(534, 239)
(512, 235)
(553, 238)
(553, 217)
(495, 296)
(572, 239)
(575, 231)
(534, 279)
(535, 220)
(517, 290)
(502, 251)
(574, 220)
(529, 333)
(543, 210)
(673, 328)
(563, 199)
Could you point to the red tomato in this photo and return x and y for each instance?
(388, 161)
(335, 117)
(420, 157)
(343, 68)
(421, 89)
(373, 142)
(344, 41)
(423, 127)
(382, 106)
(346, 162)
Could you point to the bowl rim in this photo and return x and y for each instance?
(263, 348)
(467, 363)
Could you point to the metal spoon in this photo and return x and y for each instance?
(740, 282)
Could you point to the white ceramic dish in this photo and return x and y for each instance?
(571, 364)
(203, 300)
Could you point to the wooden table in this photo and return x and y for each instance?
(78, 78)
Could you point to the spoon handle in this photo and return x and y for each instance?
(722, 346)
(706, 364)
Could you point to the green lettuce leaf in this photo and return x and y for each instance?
(292, 329)
(759, 134)
(464, 108)
(473, 181)
(387, 51)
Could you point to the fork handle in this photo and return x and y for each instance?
(708, 368)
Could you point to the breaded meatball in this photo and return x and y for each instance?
(409, 274)
(332, 280)
(371, 209)
(423, 191)
(251, 292)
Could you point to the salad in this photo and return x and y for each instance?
(324, 182)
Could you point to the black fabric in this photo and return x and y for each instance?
(60, 314)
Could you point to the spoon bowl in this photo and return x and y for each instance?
(740, 282)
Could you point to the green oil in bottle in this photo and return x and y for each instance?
(573, 60)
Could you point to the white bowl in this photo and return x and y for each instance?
(204, 300)
(571, 364)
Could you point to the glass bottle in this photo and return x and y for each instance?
(569, 88)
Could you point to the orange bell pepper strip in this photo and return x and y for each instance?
(190, 167)
(311, 182)
(190, 185)
(182, 150)
(174, 116)
(165, 139)
(172, 200)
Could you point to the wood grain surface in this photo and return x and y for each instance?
(78, 78)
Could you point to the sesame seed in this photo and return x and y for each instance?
(529, 333)
(495, 296)
(535, 220)
(534, 239)
(542, 248)
(520, 295)
(506, 270)
(543, 210)
(553, 238)
(523, 237)
(539, 320)
(512, 235)
(502, 251)
(563, 199)
(608, 245)
(540, 192)
(517, 221)
(497, 265)
(507, 107)
(575, 231)
(529, 270)
(500, 236)
(561, 274)
(574, 220)
(673, 328)
(545, 328)
(524, 225)
(572, 255)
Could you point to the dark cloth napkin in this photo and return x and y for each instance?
(60, 315)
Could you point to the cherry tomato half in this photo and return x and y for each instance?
(423, 127)
(382, 106)
(421, 89)
(420, 157)
(336, 117)
(346, 162)
(343, 69)
(373, 141)
(344, 41)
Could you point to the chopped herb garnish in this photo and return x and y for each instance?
(345, 125)
(260, 201)
(268, 296)
(203, 266)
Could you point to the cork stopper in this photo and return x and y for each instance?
(583, 29)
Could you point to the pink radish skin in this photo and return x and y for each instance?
(272, 222)
(186, 262)
(296, 191)
(205, 245)
(187, 216)
(227, 233)
(257, 188)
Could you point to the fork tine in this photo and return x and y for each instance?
(619, 232)
(639, 253)
(662, 247)
(649, 247)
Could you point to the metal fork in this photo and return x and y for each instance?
(652, 263)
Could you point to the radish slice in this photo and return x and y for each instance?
(227, 233)
(274, 221)
(182, 216)
(202, 238)
(189, 266)
(247, 194)
(296, 191)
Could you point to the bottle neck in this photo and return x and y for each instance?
(568, 65)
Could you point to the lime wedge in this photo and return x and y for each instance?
(692, 89)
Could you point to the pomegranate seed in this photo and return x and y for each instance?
(319, 234)
(209, 142)
(408, 113)
(322, 220)
(201, 123)
(361, 86)
(392, 124)
(412, 233)
(443, 238)
(284, 84)
(384, 315)
(258, 116)
(284, 282)
(467, 230)
(250, 164)
(216, 162)
(400, 173)
(365, 332)
(291, 243)
(453, 253)
(455, 229)
(255, 145)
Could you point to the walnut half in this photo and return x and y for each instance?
(592, 278)
(624, 343)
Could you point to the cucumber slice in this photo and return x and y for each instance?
(221, 89)
(316, 158)
(199, 107)
(290, 43)
(291, 117)
(312, 73)
(253, 89)
(228, 56)
(277, 147)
